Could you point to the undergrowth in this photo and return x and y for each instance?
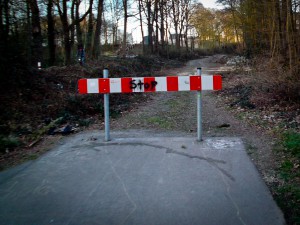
(276, 79)
(287, 193)
(43, 96)
(8, 143)
(292, 143)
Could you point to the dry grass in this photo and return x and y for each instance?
(277, 81)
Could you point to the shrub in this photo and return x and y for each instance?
(292, 143)
(8, 143)
(275, 78)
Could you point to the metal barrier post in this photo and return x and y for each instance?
(199, 111)
(106, 110)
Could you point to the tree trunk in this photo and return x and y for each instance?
(1, 23)
(96, 45)
(171, 37)
(273, 37)
(155, 17)
(297, 18)
(115, 35)
(141, 24)
(150, 27)
(37, 51)
(90, 30)
(162, 24)
(72, 28)
(284, 27)
(175, 11)
(167, 32)
(279, 27)
(51, 34)
(7, 21)
(4, 29)
(77, 24)
(105, 30)
(67, 44)
(290, 37)
(125, 26)
(186, 27)
(28, 31)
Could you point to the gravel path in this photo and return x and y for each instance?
(176, 113)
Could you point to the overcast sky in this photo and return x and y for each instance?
(210, 4)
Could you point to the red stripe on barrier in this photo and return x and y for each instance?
(172, 83)
(104, 86)
(149, 84)
(217, 82)
(195, 83)
(126, 85)
(82, 86)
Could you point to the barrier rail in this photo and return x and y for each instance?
(149, 84)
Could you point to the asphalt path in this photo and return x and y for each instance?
(138, 178)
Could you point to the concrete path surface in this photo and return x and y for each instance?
(139, 178)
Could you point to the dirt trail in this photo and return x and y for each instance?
(176, 112)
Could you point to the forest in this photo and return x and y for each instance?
(39, 42)
(50, 31)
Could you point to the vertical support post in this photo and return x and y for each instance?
(199, 110)
(106, 110)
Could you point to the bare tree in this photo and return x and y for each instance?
(162, 5)
(125, 8)
(4, 20)
(96, 45)
(77, 22)
(37, 51)
(63, 13)
(51, 33)
(150, 25)
(90, 29)
(175, 18)
(141, 24)
(115, 10)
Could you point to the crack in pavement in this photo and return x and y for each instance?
(124, 189)
(211, 161)
(195, 156)
(236, 206)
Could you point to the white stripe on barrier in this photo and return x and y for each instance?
(184, 83)
(115, 85)
(207, 82)
(93, 86)
(161, 83)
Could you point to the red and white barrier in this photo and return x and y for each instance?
(149, 84)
